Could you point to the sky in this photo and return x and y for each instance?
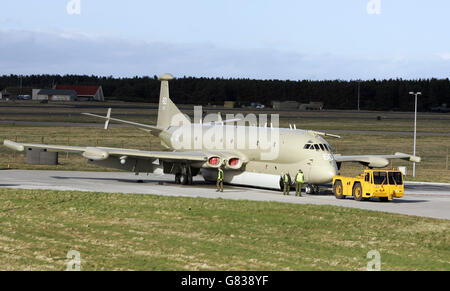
(262, 39)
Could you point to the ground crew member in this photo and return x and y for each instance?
(220, 177)
(286, 178)
(299, 180)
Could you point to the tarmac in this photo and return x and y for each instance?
(421, 199)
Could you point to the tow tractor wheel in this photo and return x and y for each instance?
(357, 192)
(338, 190)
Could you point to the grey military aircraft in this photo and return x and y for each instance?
(250, 154)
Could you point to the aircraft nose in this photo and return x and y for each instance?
(323, 174)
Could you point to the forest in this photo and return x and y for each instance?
(390, 94)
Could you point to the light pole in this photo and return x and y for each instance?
(415, 128)
(359, 95)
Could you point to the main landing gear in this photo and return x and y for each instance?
(185, 177)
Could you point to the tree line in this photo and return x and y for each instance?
(389, 94)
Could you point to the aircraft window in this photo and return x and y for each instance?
(322, 147)
(379, 178)
(395, 178)
(307, 146)
(316, 146)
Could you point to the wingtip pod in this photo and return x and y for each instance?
(412, 158)
(95, 154)
(13, 145)
(415, 159)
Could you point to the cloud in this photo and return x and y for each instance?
(445, 56)
(39, 52)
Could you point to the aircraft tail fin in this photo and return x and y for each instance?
(168, 112)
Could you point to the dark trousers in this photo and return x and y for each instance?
(298, 188)
(219, 185)
(286, 188)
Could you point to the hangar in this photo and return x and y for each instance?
(55, 95)
(85, 92)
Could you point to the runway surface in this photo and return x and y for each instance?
(421, 199)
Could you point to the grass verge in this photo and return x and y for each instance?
(147, 232)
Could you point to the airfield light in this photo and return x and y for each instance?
(415, 129)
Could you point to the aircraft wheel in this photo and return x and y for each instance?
(338, 190)
(184, 179)
(309, 189)
(177, 178)
(316, 189)
(189, 179)
(357, 192)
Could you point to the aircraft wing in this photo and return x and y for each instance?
(110, 157)
(102, 153)
(376, 161)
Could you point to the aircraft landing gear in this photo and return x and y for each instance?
(185, 177)
(178, 178)
(312, 189)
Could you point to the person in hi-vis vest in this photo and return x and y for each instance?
(286, 178)
(220, 177)
(299, 180)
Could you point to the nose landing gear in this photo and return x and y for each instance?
(312, 189)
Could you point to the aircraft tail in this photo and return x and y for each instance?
(168, 112)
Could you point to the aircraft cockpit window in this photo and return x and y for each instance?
(322, 147)
(306, 147)
(316, 146)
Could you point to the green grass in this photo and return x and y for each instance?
(147, 232)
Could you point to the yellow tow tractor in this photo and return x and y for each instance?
(384, 184)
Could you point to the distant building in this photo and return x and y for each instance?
(285, 105)
(85, 92)
(36, 96)
(55, 95)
